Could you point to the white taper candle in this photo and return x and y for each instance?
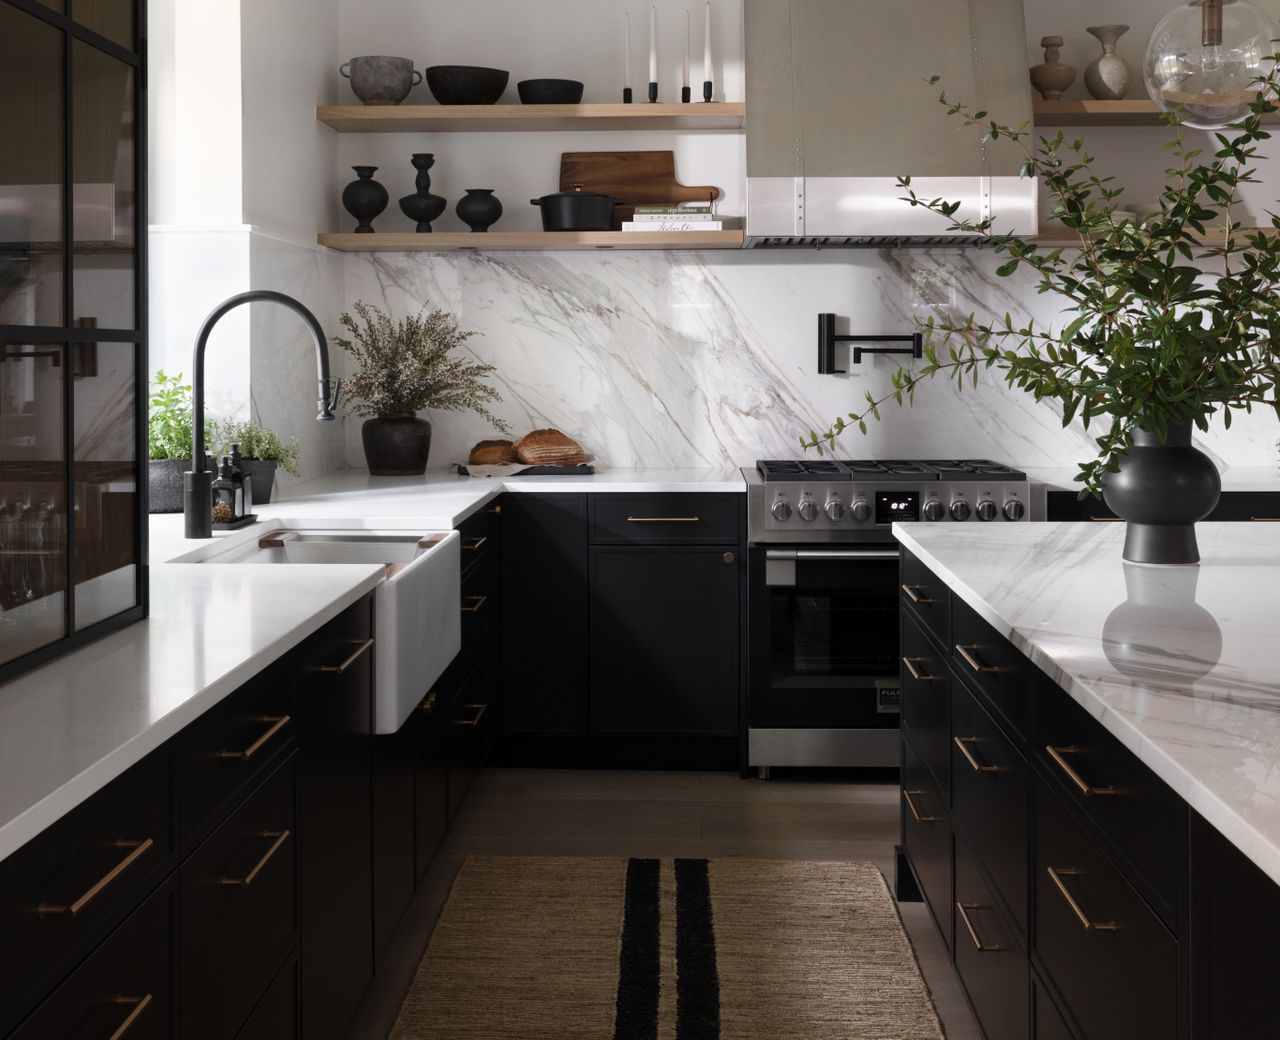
(626, 53)
(653, 45)
(685, 82)
(706, 49)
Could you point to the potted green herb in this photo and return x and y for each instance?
(402, 368)
(1169, 322)
(261, 452)
(168, 441)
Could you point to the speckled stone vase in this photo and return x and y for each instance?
(1052, 78)
(1108, 76)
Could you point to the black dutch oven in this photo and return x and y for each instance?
(576, 210)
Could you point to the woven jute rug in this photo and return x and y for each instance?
(685, 949)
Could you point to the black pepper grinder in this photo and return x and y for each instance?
(243, 481)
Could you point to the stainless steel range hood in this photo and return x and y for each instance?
(838, 107)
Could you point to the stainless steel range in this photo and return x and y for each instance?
(823, 601)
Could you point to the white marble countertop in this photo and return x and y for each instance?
(1234, 478)
(1181, 664)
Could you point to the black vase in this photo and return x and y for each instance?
(1161, 490)
(422, 206)
(364, 198)
(478, 209)
(396, 445)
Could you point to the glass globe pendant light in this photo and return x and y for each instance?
(1203, 58)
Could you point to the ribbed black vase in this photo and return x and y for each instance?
(365, 198)
(422, 207)
(1162, 489)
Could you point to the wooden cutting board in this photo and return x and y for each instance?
(633, 178)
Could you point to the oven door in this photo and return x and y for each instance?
(824, 638)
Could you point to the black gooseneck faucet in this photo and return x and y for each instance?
(197, 494)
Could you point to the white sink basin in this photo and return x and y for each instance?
(417, 605)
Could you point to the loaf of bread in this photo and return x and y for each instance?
(550, 448)
(493, 453)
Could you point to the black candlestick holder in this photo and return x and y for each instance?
(706, 91)
(626, 95)
(685, 95)
(653, 93)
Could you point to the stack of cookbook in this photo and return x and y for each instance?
(689, 217)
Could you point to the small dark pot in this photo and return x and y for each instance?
(1161, 490)
(164, 484)
(549, 91)
(466, 84)
(396, 445)
(364, 198)
(263, 474)
(478, 209)
(422, 207)
(576, 211)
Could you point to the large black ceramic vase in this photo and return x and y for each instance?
(1161, 490)
(478, 209)
(396, 445)
(422, 207)
(364, 198)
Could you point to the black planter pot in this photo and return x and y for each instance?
(396, 445)
(422, 207)
(164, 484)
(478, 209)
(1161, 490)
(263, 474)
(364, 198)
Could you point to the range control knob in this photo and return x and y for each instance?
(934, 509)
(987, 510)
(1014, 510)
(960, 510)
(835, 510)
(781, 511)
(808, 509)
(861, 510)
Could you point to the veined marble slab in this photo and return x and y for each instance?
(1181, 665)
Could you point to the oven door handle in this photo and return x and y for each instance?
(832, 554)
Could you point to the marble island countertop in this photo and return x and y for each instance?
(1182, 665)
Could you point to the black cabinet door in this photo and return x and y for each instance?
(393, 823)
(926, 702)
(544, 613)
(431, 792)
(664, 640)
(276, 1016)
(926, 833)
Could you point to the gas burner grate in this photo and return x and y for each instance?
(888, 469)
(974, 469)
(801, 469)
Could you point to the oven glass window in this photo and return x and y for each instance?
(832, 637)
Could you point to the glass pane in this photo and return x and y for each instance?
(110, 18)
(106, 480)
(103, 214)
(832, 635)
(31, 168)
(33, 511)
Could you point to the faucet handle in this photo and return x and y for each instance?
(329, 401)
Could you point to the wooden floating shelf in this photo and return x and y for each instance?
(509, 241)
(402, 119)
(1088, 112)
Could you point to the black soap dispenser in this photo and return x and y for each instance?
(228, 500)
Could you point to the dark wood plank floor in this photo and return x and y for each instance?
(798, 814)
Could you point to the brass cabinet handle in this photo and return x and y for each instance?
(278, 722)
(963, 910)
(911, 662)
(1056, 874)
(139, 1005)
(137, 850)
(915, 814)
(664, 519)
(1058, 756)
(963, 744)
(1105, 520)
(479, 709)
(341, 669)
(476, 603)
(1264, 519)
(475, 543)
(429, 704)
(967, 653)
(280, 837)
(912, 592)
(496, 510)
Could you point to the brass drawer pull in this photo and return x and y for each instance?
(429, 704)
(963, 910)
(479, 709)
(911, 662)
(280, 837)
(495, 510)
(278, 722)
(476, 603)
(475, 543)
(139, 1005)
(341, 669)
(1058, 756)
(1056, 874)
(1264, 519)
(912, 592)
(1105, 520)
(967, 653)
(664, 519)
(915, 814)
(137, 849)
(963, 744)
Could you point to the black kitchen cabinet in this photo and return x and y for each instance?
(1233, 506)
(276, 1016)
(431, 786)
(393, 829)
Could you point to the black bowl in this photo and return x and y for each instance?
(549, 91)
(466, 84)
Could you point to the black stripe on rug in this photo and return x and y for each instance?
(697, 980)
(638, 962)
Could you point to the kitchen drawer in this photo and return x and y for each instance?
(989, 961)
(431, 789)
(473, 728)
(1126, 807)
(926, 702)
(674, 519)
(1110, 958)
(239, 894)
(65, 889)
(926, 597)
(1247, 505)
(989, 799)
(1049, 1024)
(276, 1016)
(479, 614)
(926, 832)
(124, 989)
(991, 664)
(479, 535)
(232, 747)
